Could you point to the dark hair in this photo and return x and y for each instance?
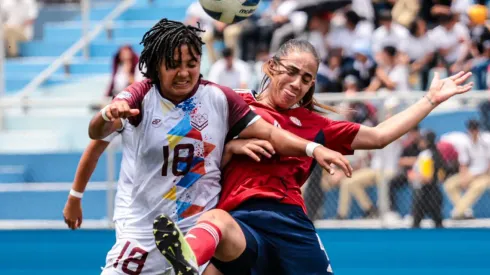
(390, 50)
(385, 15)
(160, 43)
(116, 61)
(227, 52)
(473, 124)
(294, 45)
(414, 26)
(439, 163)
(352, 17)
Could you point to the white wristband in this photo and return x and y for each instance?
(310, 148)
(103, 113)
(76, 194)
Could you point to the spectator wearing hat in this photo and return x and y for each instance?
(473, 173)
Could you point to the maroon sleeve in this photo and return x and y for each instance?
(239, 113)
(134, 95)
(339, 135)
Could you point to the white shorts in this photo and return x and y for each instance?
(137, 256)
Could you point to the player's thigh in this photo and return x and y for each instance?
(135, 256)
(306, 256)
(255, 254)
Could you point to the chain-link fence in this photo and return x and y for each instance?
(435, 175)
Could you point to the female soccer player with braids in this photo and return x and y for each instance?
(179, 125)
(266, 229)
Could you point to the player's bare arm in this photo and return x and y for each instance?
(288, 144)
(398, 125)
(254, 148)
(109, 118)
(72, 212)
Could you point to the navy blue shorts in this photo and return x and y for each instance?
(280, 240)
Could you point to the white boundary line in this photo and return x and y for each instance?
(48, 187)
(400, 224)
(51, 224)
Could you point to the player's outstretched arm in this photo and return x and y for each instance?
(288, 144)
(109, 118)
(73, 207)
(393, 128)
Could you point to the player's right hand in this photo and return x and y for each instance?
(73, 212)
(254, 148)
(120, 109)
(327, 159)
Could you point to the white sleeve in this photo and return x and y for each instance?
(215, 71)
(33, 9)
(244, 72)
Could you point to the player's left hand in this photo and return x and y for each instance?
(254, 148)
(442, 89)
(327, 158)
(72, 213)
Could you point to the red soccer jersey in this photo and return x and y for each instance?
(280, 177)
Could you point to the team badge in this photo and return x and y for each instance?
(295, 120)
(199, 121)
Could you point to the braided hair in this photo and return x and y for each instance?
(160, 43)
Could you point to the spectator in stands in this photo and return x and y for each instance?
(364, 67)
(410, 151)
(474, 173)
(329, 75)
(229, 71)
(356, 30)
(420, 51)
(428, 170)
(391, 72)
(484, 109)
(258, 33)
(451, 40)
(479, 45)
(18, 26)
(124, 70)
(317, 29)
(388, 33)
(290, 23)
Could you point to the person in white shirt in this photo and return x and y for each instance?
(474, 159)
(229, 71)
(388, 33)
(420, 50)
(392, 72)
(18, 25)
(451, 39)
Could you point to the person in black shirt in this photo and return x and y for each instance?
(407, 160)
(426, 174)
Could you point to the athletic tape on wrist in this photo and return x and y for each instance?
(310, 147)
(76, 194)
(103, 113)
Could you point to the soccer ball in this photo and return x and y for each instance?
(229, 11)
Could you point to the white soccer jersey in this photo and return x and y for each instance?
(178, 150)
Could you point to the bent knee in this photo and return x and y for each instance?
(220, 218)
